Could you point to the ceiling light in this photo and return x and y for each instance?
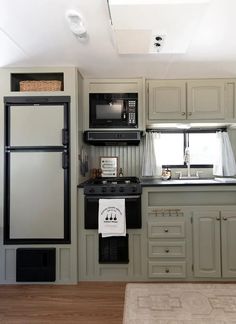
(183, 126)
(76, 23)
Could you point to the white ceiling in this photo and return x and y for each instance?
(36, 33)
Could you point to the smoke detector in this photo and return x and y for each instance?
(157, 43)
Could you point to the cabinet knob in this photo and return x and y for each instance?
(225, 218)
(167, 250)
(167, 270)
(190, 114)
(183, 113)
(218, 218)
(166, 230)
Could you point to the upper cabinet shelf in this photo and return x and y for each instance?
(37, 82)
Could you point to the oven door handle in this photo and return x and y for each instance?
(113, 197)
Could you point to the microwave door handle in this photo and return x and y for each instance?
(124, 111)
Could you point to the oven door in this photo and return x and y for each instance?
(132, 210)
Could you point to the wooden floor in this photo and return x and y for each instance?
(85, 303)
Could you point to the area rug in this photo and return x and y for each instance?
(180, 303)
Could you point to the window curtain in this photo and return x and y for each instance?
(151, 165)
(225, 162)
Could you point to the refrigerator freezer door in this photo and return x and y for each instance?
(36, 195)
(36, 125)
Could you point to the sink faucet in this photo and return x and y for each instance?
(187, 161)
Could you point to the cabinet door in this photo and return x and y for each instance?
(206, 244)
(167, 100)
(228, 228)
(205, 99)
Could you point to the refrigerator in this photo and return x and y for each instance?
(37, 170)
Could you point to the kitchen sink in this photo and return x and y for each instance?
(203, 181)
(226, 180)
(193, 181)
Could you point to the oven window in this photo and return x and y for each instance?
(109, 111)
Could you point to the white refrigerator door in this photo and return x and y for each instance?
(36, 195)
(36, 125)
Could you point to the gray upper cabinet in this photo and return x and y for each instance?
(205, 99)
(167, 100)
(185, 100)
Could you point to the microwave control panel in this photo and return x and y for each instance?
(132, 112)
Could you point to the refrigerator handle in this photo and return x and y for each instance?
(65, 160)
(65, 136)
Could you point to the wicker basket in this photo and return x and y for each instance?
(43, 85)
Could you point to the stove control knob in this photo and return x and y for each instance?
(134, 189)
(91, 190)
(121, 189)
(104, 189)
(113, 189)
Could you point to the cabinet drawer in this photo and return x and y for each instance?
(166, 229)
(169, 269)
(166, 249)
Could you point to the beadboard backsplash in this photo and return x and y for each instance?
(130, 160)
(129, 157)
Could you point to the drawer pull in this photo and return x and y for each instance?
(167, 270)
(224, 218)
(166, 230)
(167, 250)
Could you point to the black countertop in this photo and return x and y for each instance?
(182, 182)
(188, 182)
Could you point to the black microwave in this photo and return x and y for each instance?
(113, 110)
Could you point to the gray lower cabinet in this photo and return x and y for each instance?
(166, 245)
(206, 243)
(228, 243)
(188, 234)
(214, 241)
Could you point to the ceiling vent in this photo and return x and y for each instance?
(142, 28)
(157, 43)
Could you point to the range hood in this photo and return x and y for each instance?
(110, 138)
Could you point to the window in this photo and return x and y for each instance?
(202, 146)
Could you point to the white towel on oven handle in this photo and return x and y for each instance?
(111, 217)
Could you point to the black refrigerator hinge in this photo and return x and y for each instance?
(65, 160)
(65, 136)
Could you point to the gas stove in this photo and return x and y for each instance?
(113, 186)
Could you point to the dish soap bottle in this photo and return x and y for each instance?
(166, 174)
(121, 173)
